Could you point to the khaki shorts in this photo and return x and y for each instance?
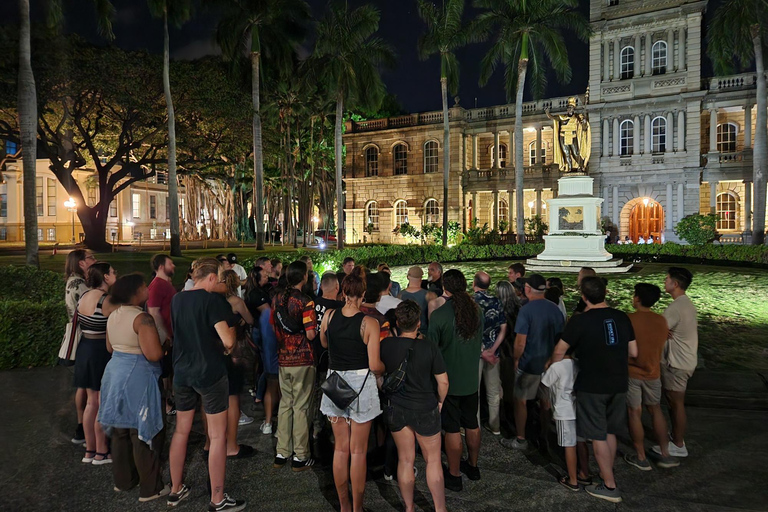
(674, 379)
(643, 392)
(526, 386)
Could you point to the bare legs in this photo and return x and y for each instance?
(521, 417)
(81, 397)
(95, 440)
(271, 397)
(582, 450)
(638, 435)
(605, 453)
(233, 421)
(351, 444)
(676, 400)
(406, 452)
(571, 463)
(178, 451)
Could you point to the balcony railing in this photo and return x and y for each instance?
(474, 176)
(733, 82)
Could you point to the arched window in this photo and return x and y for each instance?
(431, 212)
(371, 162)
(659, 134)
(659, 58)
(400, 153)
(532, 154)
(503, 211)
(726, 208)
(627, 62)
(401, 213)
(372, 215)
(626, 137)
(503, 151)
(726, 137)
(430, 157)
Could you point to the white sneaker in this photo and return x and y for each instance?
(674, 450)
(245, 420)
(266, 428)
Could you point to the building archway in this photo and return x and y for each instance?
(646, 218)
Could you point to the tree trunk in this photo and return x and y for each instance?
(522, 67)
(258, 156)
(761, 143)
(28, 128)
(446, 157)
(94, 222)
(173, 189)
(340, 228)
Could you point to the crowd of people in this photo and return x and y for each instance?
(355, 360)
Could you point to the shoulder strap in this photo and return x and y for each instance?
(100, 303)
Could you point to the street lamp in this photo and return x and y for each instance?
(71, 206)
(530, 206)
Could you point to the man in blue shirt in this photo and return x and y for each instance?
(538, 325)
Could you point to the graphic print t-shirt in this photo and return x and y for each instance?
(295, 349)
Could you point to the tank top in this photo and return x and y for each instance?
(122, 337)
(420, 297)
(95, 325)
(346, 349)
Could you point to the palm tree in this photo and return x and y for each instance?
(444, 35)
(268, 28)
(349, 57)
(27, 107)
(736, 34)
(177, 12)
(526, 37)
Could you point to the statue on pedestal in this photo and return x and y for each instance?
(573, 139)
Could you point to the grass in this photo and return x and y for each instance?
(732, 306)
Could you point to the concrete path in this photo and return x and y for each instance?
(40, 469)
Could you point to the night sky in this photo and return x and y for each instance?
(415, 83)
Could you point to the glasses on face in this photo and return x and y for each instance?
(90, 257)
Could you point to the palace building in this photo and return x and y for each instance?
(665, 142)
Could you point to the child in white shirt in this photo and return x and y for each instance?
(559, 378)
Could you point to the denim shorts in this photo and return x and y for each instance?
(365, 407)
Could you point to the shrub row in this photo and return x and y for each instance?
(30, 332)
(713, 254)
(29, 283)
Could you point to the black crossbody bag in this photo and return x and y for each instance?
(339, 390)
(394, 381)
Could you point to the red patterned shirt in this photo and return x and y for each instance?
(295, 349)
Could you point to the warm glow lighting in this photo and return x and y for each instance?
(129, 224)
(70, 203)
(315, 219)
(530, 204)
(530, 129)
(645, 201)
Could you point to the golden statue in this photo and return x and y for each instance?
(574, 139)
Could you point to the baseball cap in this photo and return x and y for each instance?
(232, 258)
(536, 282)
(415, 271)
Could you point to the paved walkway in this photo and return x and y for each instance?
(41, 469)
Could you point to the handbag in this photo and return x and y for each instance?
(339, 391)
(70, 341)
(393, 382)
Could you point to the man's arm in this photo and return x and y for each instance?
(442, 388)
(557, 355)
(520, 341)
(499, 340)
(227, 334)
(632, 349)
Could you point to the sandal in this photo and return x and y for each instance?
(563, 480)
(103, 460)
(584, 481)
(86, 458)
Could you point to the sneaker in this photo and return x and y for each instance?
(633, 460)
(452, 483)
(667, 462)
(175, 497)
(302, 465)
(244, 420)
(388, 478)
(674, 450)
(227, 504)
(584, 481)
(265, 428)
(279, 462)
(515, 444)
(565, 482)
(491, 430)
(165, 491)
(472, 472)
(602, 492)
(79, 437)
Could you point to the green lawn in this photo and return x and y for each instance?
(732, 304)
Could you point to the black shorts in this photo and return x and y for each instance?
(425, 424)
(598, 415)
(215, 397)
(459, 411)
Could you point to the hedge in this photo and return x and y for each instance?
(29, 283)
(30, 332)
(708, 254)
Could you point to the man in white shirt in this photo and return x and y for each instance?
(679, 359)
(641, 240)
(239, 270)
(386, 301)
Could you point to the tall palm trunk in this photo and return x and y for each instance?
(173, 189)
(761, 142)
(446, 156)
(258, 154)
(522, 67)
(28, 128)
(339, 196)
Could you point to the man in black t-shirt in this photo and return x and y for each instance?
(603, 341)
(203, 334)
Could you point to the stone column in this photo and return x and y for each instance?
(647, 136)
(538, 201)
(670, 49)
(668, 208)
(712, 197)
(680, 201)
(474, 206)
(539, 160)
(670, 133)
(606, 60)
(606, 138)
(474, 154)
(512, 149)
(680, 146)
(748, 207)
(636, 65)
(495, 212)
(648, 53)
(748, 126)
(496, 152)
(511, 203)
(615, 209)
(636, 136)
(681, 49)
(713, 130)
(465, 164)
(616, 142)
(617, 58)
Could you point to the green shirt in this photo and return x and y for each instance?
(461, 355)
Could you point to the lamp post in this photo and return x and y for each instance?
(71, 206)
(530, 207)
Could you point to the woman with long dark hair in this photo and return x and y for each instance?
(92, 356)
(457, 328)
(352, 339)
